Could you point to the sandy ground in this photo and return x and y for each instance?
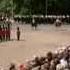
(45, 38)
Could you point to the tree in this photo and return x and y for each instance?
(28, 7)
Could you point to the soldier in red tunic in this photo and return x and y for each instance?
(8, 31)
(3, 33)
(0, 33)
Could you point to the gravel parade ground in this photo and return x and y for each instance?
(33, 42)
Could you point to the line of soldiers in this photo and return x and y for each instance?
(4, 32)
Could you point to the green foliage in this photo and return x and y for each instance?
(28, 7)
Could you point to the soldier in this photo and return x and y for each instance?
(34, 24)
(8, 31)
(3, 33)
(0, 33)
(58, 22)
(18, 33)
(6, 34)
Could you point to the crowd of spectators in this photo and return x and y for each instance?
(52, 61)
(59, 60)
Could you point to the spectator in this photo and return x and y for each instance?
(22, 67)
(12, 67)
(49, 56)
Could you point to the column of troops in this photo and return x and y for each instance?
(4, 31)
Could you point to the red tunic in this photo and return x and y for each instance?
(3, 33)
(7, 32)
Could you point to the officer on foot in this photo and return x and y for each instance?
(18, 33)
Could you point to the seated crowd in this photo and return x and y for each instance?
(52, 61)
